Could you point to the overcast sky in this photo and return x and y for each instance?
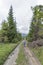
(22, 12)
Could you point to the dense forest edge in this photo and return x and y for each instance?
(8, 31)
(35, 34)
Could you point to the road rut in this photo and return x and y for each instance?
(31, 59)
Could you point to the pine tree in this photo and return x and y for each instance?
(4, 31)
(12, 26)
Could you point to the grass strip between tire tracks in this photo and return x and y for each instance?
(21, 60)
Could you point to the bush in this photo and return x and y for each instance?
(14, 40)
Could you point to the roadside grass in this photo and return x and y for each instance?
(21, 60)
(5, 50)
(39, 53)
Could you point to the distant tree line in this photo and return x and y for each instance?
(36, 27)
(8, 31)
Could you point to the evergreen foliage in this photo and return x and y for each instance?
(8, 32)
(36, 24)
(12, 26)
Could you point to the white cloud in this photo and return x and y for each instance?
(22, 11)
(40, 2)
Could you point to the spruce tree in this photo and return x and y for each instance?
(4, 31)
(12, 26)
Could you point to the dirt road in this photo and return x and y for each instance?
(13, 56)
(31, 59)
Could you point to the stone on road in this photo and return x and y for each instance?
(12, 57)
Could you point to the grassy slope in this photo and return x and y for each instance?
(21, 60)
(5, 50)
(39, 53)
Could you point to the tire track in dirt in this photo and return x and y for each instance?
(31, 58)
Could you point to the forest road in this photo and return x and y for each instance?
(32, 60)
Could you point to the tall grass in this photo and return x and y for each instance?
(5, 50)
(39, 53)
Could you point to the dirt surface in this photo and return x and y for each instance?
(31, 58)
(12, 57)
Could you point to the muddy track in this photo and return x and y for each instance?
(32, 60)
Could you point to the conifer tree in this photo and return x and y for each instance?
(12, 26)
